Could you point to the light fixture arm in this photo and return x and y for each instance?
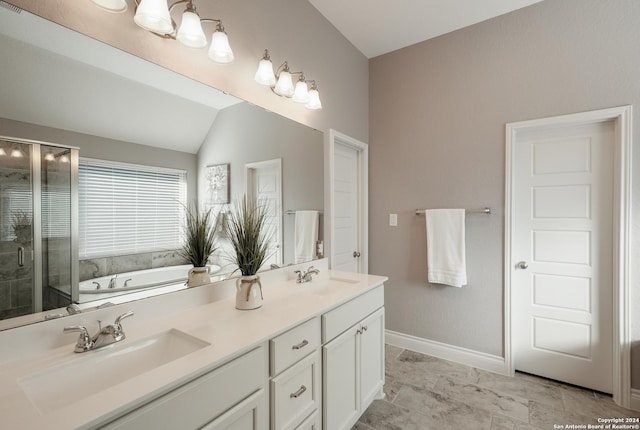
(190, 7)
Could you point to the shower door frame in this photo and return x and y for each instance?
(36, 190)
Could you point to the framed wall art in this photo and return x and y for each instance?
(218, 184)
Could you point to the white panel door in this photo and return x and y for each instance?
(264, 185)
(345, 210)
(562, 278)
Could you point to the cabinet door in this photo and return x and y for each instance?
(371, 358)
(340, 400)
(246, 415)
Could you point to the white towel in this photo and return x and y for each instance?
(446, 261)
(305, 236)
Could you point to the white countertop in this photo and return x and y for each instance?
(230, 332)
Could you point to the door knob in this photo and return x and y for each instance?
(356, 254)
(522, 265)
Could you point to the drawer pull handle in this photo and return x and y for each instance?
(301, 344)
(298, 393)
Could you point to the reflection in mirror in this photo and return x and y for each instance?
(163, 122)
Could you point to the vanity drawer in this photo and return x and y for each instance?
(293, 345)
(295, 393)
(311, 423)
(341, 318)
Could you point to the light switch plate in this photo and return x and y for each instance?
(393, 220)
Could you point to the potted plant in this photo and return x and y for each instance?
(247, 230)
(21, 224)
(199, 243)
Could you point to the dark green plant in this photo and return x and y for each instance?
(247, 230)
(200, 236)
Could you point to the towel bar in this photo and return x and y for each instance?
(475, 211)
(290, 212)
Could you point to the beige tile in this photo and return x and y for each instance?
(382, 415)
(545, 416)
(441, 409)
(500, 422)
(484, 398)
(437, 366)
(589, 404)
(391, 388)
(361, 426)
(409, 373)
(524, 388)
(392, 352)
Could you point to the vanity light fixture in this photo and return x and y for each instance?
(16, 153)
(281, 83)
(112, 5)
(155, 16)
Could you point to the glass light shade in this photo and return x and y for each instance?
(112, 5)
(301, 93)
(220, 51)
(49, 157)
(264, 74)
(284, 86)
(64, 159)
(16, 153)
(2, 152)
(190, 31)
(314, 100)
(153, 15)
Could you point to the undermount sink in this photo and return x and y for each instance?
(345, 280)
(98, 370)
(323, 287)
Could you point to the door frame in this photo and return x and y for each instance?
(362, 149)
(622, 118)
(248, 191)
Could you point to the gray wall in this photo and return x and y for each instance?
(246, 133)
(438, 111)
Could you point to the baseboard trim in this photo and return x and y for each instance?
(635, 399)
(481, 360)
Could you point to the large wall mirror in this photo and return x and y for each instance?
(134, 118)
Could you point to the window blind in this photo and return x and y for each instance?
(127, 208)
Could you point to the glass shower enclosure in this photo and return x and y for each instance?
(38, 227)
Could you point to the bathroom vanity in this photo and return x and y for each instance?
(312, 357)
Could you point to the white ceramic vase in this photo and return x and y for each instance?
(248, 292)
(198, 276)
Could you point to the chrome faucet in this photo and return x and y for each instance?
(306, 276)
(112, 281)
(106, 335)
(73, 309)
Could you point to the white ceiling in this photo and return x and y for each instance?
(376, 27)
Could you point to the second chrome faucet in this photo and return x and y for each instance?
(107, 335)
(306, 276)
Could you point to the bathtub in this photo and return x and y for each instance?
(138, 280)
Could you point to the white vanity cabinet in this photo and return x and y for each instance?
(353, 359)
(230, 397)
(296, 382)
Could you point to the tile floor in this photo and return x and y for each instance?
(425, 393)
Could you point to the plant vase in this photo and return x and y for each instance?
(248, 292)
(198, 276)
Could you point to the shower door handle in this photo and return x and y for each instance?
(21, 256)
